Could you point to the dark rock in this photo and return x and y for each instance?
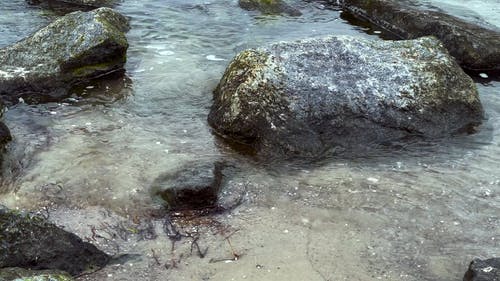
(66, 6)
(5, 136)
(72, 50)
(200, 186)
(269, 7)
(305, 97)
(483, 270)
(21, 274)
(474, 47)
(30, 241)
(194, 186)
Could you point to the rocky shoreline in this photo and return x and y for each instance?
(305, 98)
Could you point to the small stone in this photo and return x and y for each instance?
(483, 75)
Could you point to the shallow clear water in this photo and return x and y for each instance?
(420, 213)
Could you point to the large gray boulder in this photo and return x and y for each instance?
(313, 95)
(483, 270)
(269, 7)
(71, 50)
(29, 241)
(474, 47)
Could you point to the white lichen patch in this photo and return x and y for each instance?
(13, 72)
(487, 269)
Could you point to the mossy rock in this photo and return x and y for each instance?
(315, 96)
(269, 7)
(21, 274)
(30, 241)
(73, 49)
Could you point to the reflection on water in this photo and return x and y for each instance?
(420, 212)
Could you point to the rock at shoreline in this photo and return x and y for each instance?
(483, 270)
(30, 241)
(474, 47)
(71, 50)
(73, 5)
(21, 274)
(306, 97)
(269, 7)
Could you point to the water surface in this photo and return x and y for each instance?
(421, 212)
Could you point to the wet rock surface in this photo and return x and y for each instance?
(30, 241)
(72, 50)
(483, 270)
(269, 7)
(194, 186)
(73, 5)
(21, 274)
(5, 136)
(198, 185)
(474, 47)
(306, 97)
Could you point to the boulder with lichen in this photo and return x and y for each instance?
(71, 50)
(313, 96)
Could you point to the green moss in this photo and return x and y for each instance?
(89, 70)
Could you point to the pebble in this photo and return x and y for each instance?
(483, 75)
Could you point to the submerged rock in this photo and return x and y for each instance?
(73, 5)
(269, 7)
(483, 270)
(71, 50)
(195, 186)
(474, 47)
(21, 274)
(29, 241)
(305, 97)
(199, 185)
